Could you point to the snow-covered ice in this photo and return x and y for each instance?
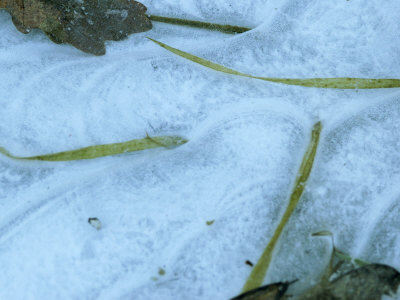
(246, 141)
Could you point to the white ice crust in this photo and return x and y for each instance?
(246, 141)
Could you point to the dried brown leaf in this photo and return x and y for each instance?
(369, 282)
(273, 291)
(85, 24)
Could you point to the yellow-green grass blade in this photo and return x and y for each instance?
(198, 24)
(333, 83)
(105, 150)
(259, 271)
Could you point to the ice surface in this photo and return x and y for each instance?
(247, 138)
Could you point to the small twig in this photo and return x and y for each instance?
(205, 25)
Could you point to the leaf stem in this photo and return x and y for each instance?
(260, 269)
(205, 25)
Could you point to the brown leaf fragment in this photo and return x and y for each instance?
(369, 282)
(273, 291)
(85, 24)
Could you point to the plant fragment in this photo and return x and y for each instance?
(367, 282)
(95, 222)
(370, 281)
(106, 149)
(332, 83)
(249, 263)
(350, 278)
(161, 271)
(85, 24)
(273, 291)
(345, 279)
(259, 271)
(199, 24)
(338, 253)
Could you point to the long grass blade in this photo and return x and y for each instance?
(105, 150)
(198, 24)
(332, 83)
(259, 271)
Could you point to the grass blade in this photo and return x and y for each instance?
(198, 24)
(332, 83)
(259, 271)
(105, 150)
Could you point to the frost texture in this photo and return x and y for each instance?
(246, 141)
